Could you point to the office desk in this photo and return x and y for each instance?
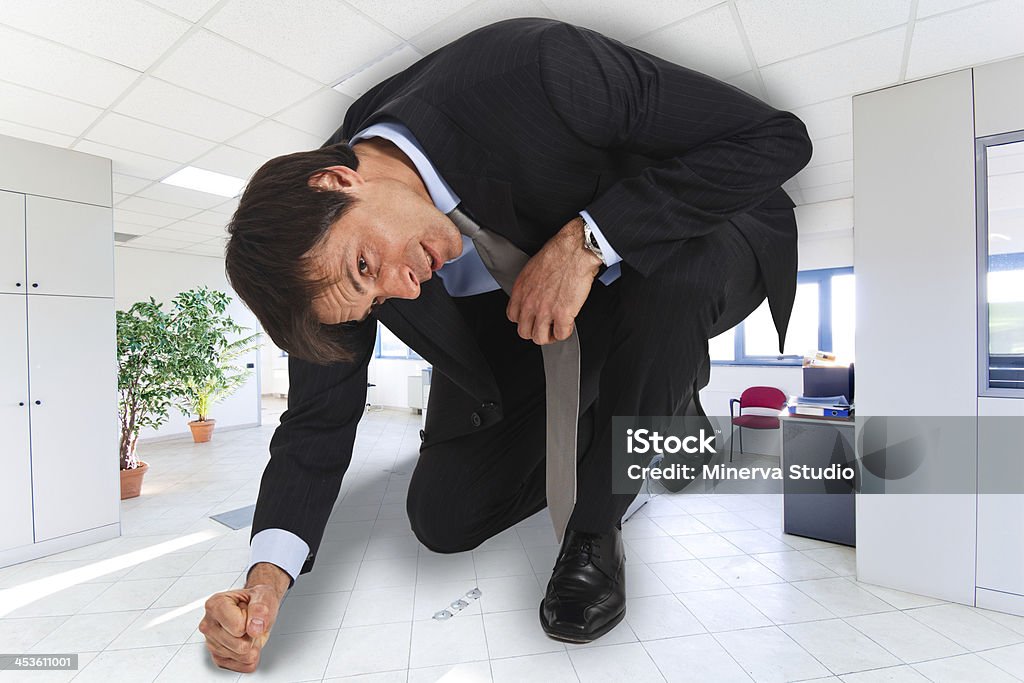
(818, 509)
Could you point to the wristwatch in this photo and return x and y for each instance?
(590, 240)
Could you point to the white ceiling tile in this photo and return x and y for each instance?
(127, 184)
(41, 110)
(227, 207)
(180, 195)
(135, 218)
(132, 228)
(202, 251)
(827, 74)
(613, 20)
(203, 231)
(926, 8)
(780, 29)
(832, 150)
(230, 161)
(118, 197)
(126, 32)
(797, 197)
(320, 114)
(473, 17)
(168, 105)
(176, 236)
(826, 217)
(148, 138)
(43, 65)
(272, 139)
(151, 242)
(128, 162)
(748, 83)
(709, 43)
(826, 174)
(385, 67)
(213, 218)
(17, 130)
(193, 10)
(827, 193)
(829, 118)
(151, 206)
(211, 65)
(409, 18)
(961, 39)
(335, 39)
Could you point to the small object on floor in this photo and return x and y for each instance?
(236, 519)
(457, 605)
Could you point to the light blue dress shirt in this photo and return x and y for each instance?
(464, 275)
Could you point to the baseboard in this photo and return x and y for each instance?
(58, 545)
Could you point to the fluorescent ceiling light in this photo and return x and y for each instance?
(206, 181)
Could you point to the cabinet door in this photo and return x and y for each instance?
(1001, 501)
(72, 375)
(70, 248)
(12, 242)
(15, 461)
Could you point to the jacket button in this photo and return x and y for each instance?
(489, 405)
(475, 419)
(423, 435)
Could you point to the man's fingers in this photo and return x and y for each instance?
(226, 609)
(563, 329)
(234, 664)
(229, 643)
(261, 614)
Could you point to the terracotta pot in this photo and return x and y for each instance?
(202, 431)
(131, 481)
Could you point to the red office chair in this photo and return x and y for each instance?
(755, 397)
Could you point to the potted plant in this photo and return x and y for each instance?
(145, 383)
(206, 356)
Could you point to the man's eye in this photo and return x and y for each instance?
(362, 265)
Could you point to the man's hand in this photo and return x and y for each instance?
(238, 622)
(553, 285)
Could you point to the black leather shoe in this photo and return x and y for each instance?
(586, 596)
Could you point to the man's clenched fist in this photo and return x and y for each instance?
(237, 623)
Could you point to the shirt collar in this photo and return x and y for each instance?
(441, 194)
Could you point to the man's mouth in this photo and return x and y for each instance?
(434, 261)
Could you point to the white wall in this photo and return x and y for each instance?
(391, 377)
(140, 273)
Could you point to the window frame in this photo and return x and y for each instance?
(823, 277)
(377, 353)
(985, 260)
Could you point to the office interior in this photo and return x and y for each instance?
(911, 268)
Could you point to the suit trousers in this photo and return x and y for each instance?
(644, 346)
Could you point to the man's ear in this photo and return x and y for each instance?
(335, 178)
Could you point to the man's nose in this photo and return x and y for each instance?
(401, 282)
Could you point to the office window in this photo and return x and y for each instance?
(1000, 186)
(390, 346)
(822, 319)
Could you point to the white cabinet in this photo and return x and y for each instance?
(59, 482)
(75, 480)
(16, 481)
(69, 247)
(12, 242)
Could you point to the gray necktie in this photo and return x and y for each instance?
(504, 260)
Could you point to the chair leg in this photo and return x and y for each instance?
(732, 438)
(741, 440)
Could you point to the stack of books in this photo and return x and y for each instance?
(820, 406)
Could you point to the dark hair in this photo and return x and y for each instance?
(279, 219)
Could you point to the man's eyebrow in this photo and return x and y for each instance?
(352, 278)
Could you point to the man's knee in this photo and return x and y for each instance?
(436, 521)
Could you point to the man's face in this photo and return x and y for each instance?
(390, 240)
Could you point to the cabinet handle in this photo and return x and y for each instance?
(17, 284)
(21, 403)
(39, 403)
(35, 284)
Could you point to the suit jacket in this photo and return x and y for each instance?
(530, 121)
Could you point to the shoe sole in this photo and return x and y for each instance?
(575, 637)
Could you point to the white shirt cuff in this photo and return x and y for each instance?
(611, 257)
(280, 547)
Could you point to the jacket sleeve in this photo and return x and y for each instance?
(715, 150)
(312, 447)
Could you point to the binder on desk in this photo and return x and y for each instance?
(819, 411)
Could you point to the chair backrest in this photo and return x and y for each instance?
(762, 397)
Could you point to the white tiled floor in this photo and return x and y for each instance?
(717, 592)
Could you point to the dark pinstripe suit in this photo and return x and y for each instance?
(530, 121)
